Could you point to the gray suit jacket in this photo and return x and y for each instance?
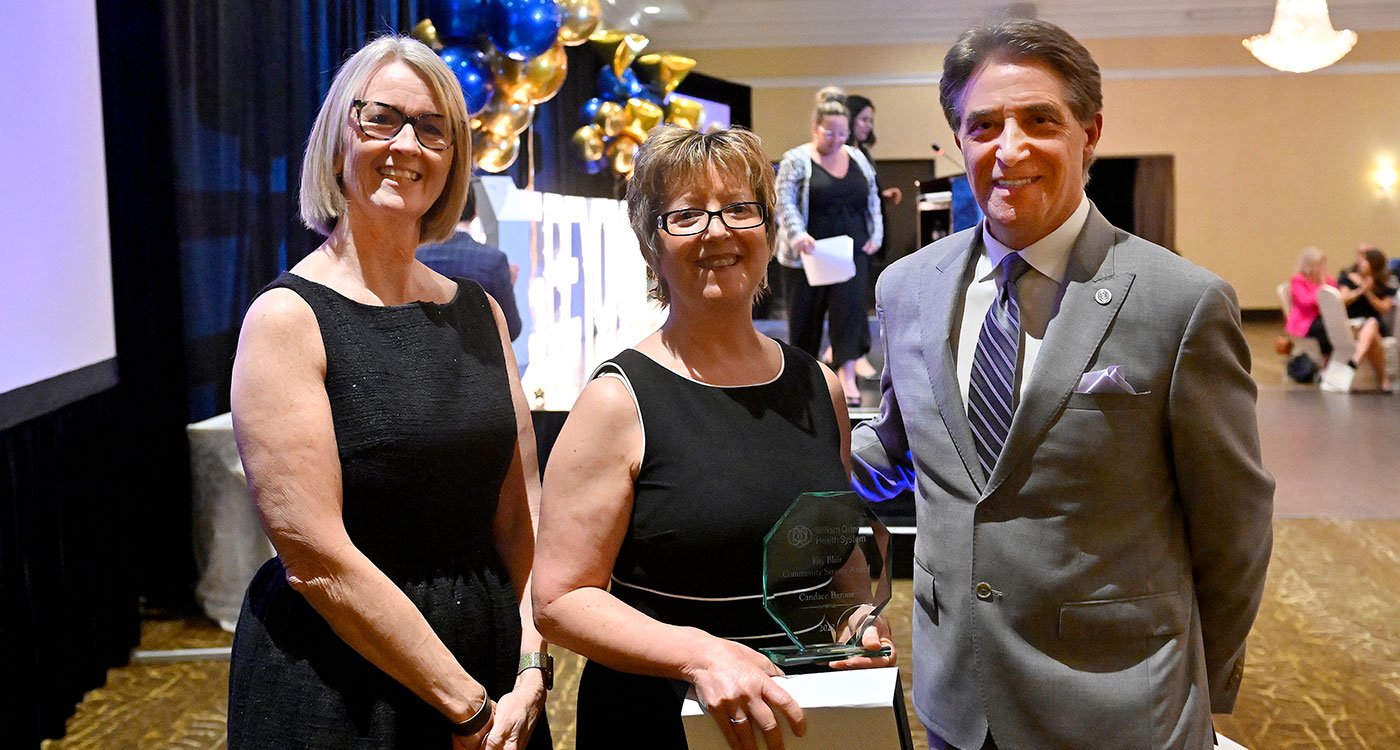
(1097, 588)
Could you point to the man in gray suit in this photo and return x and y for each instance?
(1073, 408)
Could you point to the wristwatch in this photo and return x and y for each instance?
(538, 660)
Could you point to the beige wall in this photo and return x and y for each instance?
(1265, 164)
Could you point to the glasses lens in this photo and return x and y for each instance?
(432, 131)
(379, 121)
(743, 215)
(687, 221)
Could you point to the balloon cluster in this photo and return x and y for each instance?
(617, 120)
(509, 57)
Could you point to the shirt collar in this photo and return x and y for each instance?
(1050, 254)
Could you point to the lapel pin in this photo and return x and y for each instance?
(1103, 296)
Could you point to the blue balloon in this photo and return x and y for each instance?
(595, 166)
(589, 111)
(457, 20)
(522, 29)
(616, 89)
(471, 70)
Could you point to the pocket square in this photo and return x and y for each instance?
(1108, 380)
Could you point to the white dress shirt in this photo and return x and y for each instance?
(1039, 292)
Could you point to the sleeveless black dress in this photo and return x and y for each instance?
(425, 429)
(720, 465)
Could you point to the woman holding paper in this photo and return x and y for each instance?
(677, 459)
(826, 189)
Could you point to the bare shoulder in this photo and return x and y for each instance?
(279, 312)
(606, 405)
(279, 332)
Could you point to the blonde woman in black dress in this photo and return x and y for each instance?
(389, 451)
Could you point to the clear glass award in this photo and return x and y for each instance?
(826, 577)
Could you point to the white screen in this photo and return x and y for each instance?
(55, 264)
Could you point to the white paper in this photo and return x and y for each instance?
(1225, 743)
(831, 261)
(844, 709)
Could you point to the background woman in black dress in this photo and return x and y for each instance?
(388, 448)
(1369, 297)
(677, 459)
(862, 112)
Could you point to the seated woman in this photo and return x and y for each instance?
(1303, 319)
(1368, 295)
(676, 460)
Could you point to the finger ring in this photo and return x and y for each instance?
(738, 720)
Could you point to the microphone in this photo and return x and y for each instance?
(938, 151)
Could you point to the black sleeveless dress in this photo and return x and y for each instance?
(425, 429)
(720, 465)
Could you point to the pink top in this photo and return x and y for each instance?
(1303, 311)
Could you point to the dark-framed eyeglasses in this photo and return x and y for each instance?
(383, 122)
(684, 222)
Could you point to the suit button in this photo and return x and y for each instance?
(984, 591)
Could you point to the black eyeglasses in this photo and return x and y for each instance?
(684, 222)
(383, 122)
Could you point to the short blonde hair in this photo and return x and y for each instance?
(1311, 260)
(322, 199)
(673, 158)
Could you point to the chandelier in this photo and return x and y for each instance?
(1302, 38)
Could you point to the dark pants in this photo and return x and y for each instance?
(808, 306)
(1319, 332)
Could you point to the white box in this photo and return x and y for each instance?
(857, 708)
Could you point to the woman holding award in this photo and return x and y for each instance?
(677, 459)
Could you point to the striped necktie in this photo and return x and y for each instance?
(991, 393)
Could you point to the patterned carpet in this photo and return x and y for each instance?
(1324, 659)
(1324, 662)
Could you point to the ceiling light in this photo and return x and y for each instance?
(651, 10)
(1302, 38)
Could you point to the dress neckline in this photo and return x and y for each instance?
(782, 368)
(411, 304)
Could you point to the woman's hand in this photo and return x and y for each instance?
(870, 248)
(475, 740)
(893, 193)
(804, 243)
(517, 712)
(735, 684)
(875, 637)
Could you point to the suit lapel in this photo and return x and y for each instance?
(1076, 332)
(940, 295)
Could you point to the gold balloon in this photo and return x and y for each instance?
(612, 118)
(535, 80)
(578, 19)
(627, 51)
(642, 116)
(606, 37)
(622, 154)
(684, 112)
(492, 153)
(589, 142)
(426, 33)
(504, 115)
(674, 69)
